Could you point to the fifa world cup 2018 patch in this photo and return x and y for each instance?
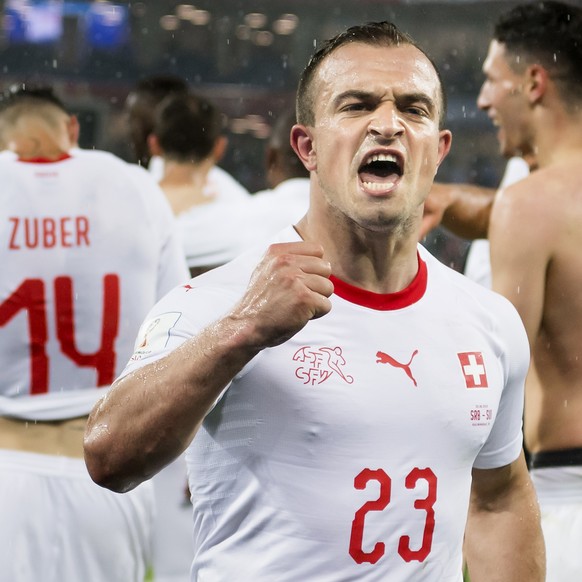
(154, 334)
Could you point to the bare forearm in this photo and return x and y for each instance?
(505, 544)
(149, 417)
(468, 214)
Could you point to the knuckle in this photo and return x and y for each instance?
(282, 260)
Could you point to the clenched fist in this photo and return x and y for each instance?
(289, 287)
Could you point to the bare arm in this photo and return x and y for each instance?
(463, 209)
(148, 417)
(521, 246)
(503, 538)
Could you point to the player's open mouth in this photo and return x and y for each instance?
(380, 172)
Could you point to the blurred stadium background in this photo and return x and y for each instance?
(246, 55)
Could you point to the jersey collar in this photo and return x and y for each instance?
(44, 160)
(384, 301)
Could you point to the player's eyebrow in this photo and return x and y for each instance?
(423, 98)
(368, 96)
(357, 94)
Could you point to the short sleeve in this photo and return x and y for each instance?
(505, 441)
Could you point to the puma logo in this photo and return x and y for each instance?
(386, 359)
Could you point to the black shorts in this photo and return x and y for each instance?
(557, 458)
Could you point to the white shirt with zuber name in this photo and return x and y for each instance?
(87, 246)
(346, 453)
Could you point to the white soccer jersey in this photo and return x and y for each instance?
(271, 210)
(215, 233)
(87, 247)
(346, 453)
(219, 184)
(210, 233)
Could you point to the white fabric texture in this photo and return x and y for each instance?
(90, 246)
(215, 233)
(559, 491)
(369, 403)
(79, 531)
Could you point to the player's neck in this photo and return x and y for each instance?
(184, 185)
(185, 173)
(560, 140)
(377, 262)
(183, 196)
(38, 143)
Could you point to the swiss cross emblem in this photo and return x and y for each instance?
(473, 369)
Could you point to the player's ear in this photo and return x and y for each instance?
(445, 140)
(271, 156)
(302, 144)
(537, 83)
(219, 148)
(73, 129)
(154, 145)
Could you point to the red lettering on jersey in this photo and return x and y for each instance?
(361, 481)
(30, 297)
(30, 234)
(13, 245)
(48, 232)
(65, 234)
(426, 504)
(103, 360)
(82, 225)
(320, 364)
(356, 547)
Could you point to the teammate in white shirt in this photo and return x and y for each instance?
(217, 232)
(141, 105)
(188, 135)
(286, 199)
(355, 405)
(88, 248)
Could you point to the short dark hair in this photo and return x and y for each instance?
(549, 33)
(382, 33)
(158, 87)
(141, 104)
(21, 93)
(187, 127)
(280, 141)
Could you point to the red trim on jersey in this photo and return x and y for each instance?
(384, 301)
(44, 160)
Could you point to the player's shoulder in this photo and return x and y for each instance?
(7, 157)
(460, 292)
(225, 185)
(102, 167)
(544, 199)
(96, 157)
(472, 305)
(101, 160)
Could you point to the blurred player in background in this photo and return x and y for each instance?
(86, 250)
(140, 106)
